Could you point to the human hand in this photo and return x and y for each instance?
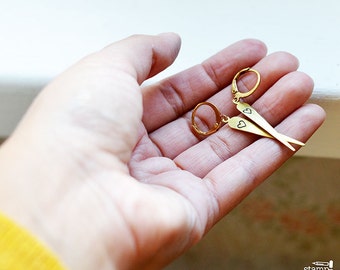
(110, 175)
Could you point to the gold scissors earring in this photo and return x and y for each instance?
(263, 128)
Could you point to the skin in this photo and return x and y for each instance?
(109, 174)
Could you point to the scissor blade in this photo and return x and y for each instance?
(242, 124)
(252, 114)
(291, 140)
(245, 125)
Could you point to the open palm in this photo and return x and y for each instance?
(111, 174)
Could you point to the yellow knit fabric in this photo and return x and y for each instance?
(19, 250)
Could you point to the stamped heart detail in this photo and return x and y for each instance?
(241, 124)
(247, 111)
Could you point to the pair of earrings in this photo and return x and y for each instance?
(263, 128)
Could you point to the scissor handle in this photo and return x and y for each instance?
(234, 89)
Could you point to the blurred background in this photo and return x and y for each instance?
(291, 220)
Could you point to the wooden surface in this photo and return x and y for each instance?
(39, 39)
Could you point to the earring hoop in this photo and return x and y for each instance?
(219, 119)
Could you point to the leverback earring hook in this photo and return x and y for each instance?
(234, 89)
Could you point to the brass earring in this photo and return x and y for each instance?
(263, 128)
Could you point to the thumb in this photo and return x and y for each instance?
(144, 56)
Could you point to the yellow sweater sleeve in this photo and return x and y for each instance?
(19, 250)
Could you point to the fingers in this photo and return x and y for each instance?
(169, 99)
(177, 136)
(287, 95)
(271, 68)
(232, 180)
